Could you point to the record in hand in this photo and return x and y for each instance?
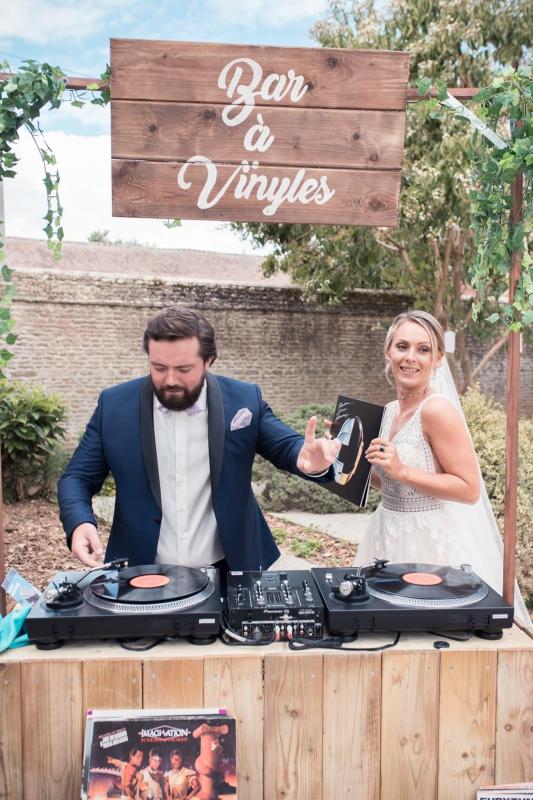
(150, 583)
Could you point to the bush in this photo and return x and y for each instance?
(281, 492)
(30, 429)
(486, 421)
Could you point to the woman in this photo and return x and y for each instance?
(425, 465)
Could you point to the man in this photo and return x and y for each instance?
(129, 771)
(180, 444)
(151, 785)
(180, 782)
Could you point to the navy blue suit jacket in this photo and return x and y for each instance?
(120, 439)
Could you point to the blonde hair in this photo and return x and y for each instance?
(429, 323)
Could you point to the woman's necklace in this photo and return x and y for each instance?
(413, 394)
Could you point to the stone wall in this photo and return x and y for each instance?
(79, 333)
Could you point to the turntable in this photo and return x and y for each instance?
(387, 597)
(128, 602)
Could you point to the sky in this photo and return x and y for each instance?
(75, 36)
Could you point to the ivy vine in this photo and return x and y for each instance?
(506, 108)
(23, 95)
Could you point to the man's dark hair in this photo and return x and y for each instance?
(179, 322)
(175, 753)
(154, 752)
(134, 751)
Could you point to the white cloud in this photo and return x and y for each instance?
(84, 164)
(270, 13)
(48, 21)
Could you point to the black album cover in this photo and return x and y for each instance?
(355, 424)
(159, 755)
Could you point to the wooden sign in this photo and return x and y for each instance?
(265, 134)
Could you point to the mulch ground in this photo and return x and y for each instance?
(36, 548)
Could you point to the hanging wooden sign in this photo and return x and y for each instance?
(265, 134)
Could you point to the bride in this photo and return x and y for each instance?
(434, 507)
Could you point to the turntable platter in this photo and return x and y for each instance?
(425, 585)
(151, 588)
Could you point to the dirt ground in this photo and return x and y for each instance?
(35, 542)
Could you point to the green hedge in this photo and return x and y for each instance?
(486, 421)
(30, 431)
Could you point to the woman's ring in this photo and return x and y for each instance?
(382, 448)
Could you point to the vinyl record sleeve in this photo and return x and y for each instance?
(118, 744)
(355, 424)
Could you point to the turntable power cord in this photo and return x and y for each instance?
(335, 643)
(233, 638)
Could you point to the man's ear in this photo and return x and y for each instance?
(209, 363)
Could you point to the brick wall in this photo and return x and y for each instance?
(79, 333)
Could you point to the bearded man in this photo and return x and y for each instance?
(180, 444)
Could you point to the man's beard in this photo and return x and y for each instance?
(178, 398)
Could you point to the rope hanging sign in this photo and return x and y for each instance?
(266, 134)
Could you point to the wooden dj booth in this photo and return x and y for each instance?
(407, 722)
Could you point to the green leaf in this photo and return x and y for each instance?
(493, 318)
(424, 85)
(7, 274)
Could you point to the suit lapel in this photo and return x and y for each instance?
(148, 439)
(215, 424)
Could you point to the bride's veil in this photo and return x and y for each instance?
(478, 519)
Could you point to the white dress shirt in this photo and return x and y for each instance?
(189, 534)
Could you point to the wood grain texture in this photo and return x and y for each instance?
(53, 725)
(189, 71)
(514, 717)
(467, 722)
(237, 684)
(11, 758)
(303, 137)
(112, 684)
(351, 745)
(174, 683)
(409, 724)
(150, 189)
(293, 728)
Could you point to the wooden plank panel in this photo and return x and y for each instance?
(237, 684)
(189, 71)
(52, 721)
(293, 727)
(112, 684)
(351, 745)
(514, 717)
(11, 758)
(302, 137)
(150, 189)
(174, 684)
(409, 702)
(467, 721)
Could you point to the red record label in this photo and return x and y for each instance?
(422, 578)
(149, 581)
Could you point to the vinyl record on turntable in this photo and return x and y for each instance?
(425, 585)
(152, 583)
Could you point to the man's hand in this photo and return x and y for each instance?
(86, 545)
(316, 455)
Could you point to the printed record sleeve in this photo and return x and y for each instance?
(144, 754)
(355, 424)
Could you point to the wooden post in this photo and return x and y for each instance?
(512, 411)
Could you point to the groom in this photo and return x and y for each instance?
(180, 444)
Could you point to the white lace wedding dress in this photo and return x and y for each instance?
(410, 526)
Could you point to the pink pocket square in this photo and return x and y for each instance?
(242, 419)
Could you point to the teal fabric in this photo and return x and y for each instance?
(11, 633)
